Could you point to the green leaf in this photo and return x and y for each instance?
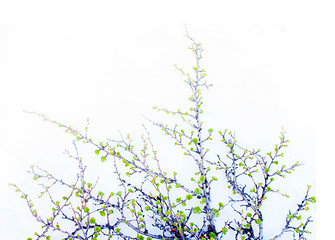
(103, 158)
(35, 177)
(195, 140)
(197, 210)
(189, 196)
(224, 230)
(140, 237)
(197, 191)
(216, 212)
(86, 209)
(92, 220)
(97, 152)
(212, 235)
(258, 221)
(102, 213)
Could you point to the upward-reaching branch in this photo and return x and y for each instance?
(197, 151)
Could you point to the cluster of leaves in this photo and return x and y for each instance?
(153, 204)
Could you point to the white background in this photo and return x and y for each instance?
(270, 66)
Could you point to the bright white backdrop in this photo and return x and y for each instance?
(263, 76)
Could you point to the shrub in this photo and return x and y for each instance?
(151, 203)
